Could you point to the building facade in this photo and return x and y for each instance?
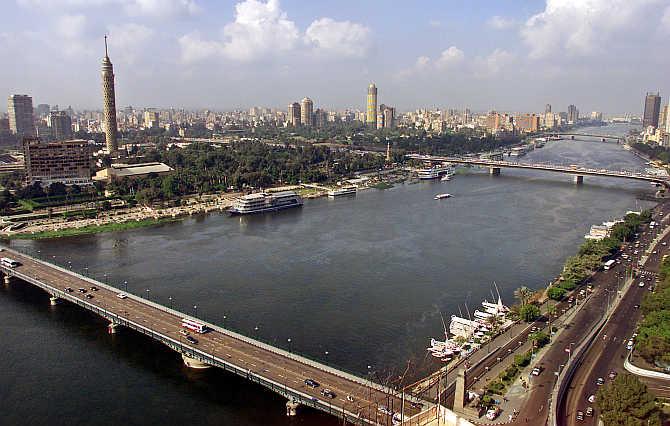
(294, 114)
(67, 162)
(109, 104)
(652, 108)
(21, 119)
(61, 125)
(307, 112)
(371, 115)
(151, 119)
(573, 114)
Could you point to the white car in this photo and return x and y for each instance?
(641, 284)
(536, 371)
(122, 295)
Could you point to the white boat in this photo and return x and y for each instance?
(441, 196)
(435, 172)
(262, 202)
(445, 178)
(482, 315)
(345, 190)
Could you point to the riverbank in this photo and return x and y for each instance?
(93, 229)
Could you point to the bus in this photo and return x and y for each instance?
(10, 263)
(608, 264)
(193, 325)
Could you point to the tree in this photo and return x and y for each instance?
(56, 189)
(523, 295)
(529, 313)
(556, 293)
(626, 401)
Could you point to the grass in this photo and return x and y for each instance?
(382, 185)
(94, 229)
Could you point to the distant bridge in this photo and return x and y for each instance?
(577, 171)
(354, 399)
(603, 138)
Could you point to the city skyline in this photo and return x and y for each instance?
(479, 57)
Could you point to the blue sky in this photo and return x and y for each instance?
(483, 54)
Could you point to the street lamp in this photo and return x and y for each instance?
(170, 298)
(148, 294)
(224, 321)
(289, 344)
(125, 284)
(195, 311)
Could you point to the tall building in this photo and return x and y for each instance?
(294, 114)
(527, 122)
(573, 114)
(664, 123)
(371, 116)
(320, 118)
(42, 110)
(388, 116)
(21, 120)
(109, 103)
(67, 162)
(547, 108)
(652, 107)
(151, 119)
(307, 112)
(61, 125)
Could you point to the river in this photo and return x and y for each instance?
(352, 282)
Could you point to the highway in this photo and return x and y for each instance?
(607, 353)
(356, 399)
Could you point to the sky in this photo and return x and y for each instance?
(507, 55)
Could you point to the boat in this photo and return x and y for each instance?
(441, 196)
(345, 190)
(435, 172)
(262, 202)
(446, 178)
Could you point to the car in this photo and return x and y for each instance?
(94, 288)
(536, 371)
(493, 413)
(612, 375)
(69, 289)
(385, 410)
(629, 345)
(89, 296)
(350, 398)
(192, 339)
(589, 411)
(122, 295)
(636, 306)
(81, 290)
(328, 393)
(580, 416)
(591, 398)
(312, 383)
(183, 332)
(664, 243)
(641, 284)
(600, 381)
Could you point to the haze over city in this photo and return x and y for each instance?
(503, 55)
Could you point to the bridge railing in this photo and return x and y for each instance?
(261, 345)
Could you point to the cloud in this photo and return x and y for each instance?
(501, 23)
(194, 49)
(492, 64)
(342, 38)
(665, 20)
(71, 27)
(128, 41)
(449, 58)
(150, 8)
(581, 27)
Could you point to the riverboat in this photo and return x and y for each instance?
(345, 190)
(263, 202)
(441, 196)
(435, 172)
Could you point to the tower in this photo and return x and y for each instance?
(294, 114)
(307, 112)
(109, 103)
(21, 120)
(388, 152)
(652, 108)
(371, 116)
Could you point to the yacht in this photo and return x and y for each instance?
(435, 172)
(441, 196)
(345, 190)
(262, 202)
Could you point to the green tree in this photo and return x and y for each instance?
(529, 313)
(556, 293)
(523, 295)
(626, 401)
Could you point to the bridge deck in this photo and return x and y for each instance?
(274, 368)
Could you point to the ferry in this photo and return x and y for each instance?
(435, 172)
(441, 196)
(262, 202)
(345, 190)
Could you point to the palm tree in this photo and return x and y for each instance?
(523, 294)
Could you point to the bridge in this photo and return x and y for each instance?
(577, 171)
(603, 138)
(354, 399)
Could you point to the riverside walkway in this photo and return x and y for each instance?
(357, 400)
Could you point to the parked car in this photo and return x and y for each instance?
(69, 289)
(89, 296)
(589, 411)
(600, 381)
(536, 371)
(328, 393)
(580, 416)
(612, 375)
(192, 339)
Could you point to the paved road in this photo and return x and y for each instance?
(270, 365)
(608, 351)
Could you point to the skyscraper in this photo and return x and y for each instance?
(307, 112)
(573, 114)
(652, 107)
(547, 108)
(371, 115)
(109, 103)
(665, 119)
(21, 121)
(294, 114)
(61, 125)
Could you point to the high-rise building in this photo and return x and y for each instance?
(371, 115)
(652, 107)
(527, 122)
(307, 112)
(664, 123)
(109, 103)
(61, 125)
(67, 162)
(573, 114)
(596, 116)
(320, 118)
(547, 108)
(151, 119)
(294, 114)
(42, 110)
(388, 115)
(21, 120)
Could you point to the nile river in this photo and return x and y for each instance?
(352, 282)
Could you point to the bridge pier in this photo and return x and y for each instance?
(579, 179)
(194, 363)
(291, 407)
(112, 328)
(53, 300)
(572, 137)
(6, 278)
(494, 171)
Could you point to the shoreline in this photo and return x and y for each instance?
(92, 229)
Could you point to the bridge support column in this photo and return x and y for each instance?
(112, 328)
(579, 179)
(572, 137)
(6, 278)
(494, 171)
(459, 394)
(291, 407)
(53, 300)
(194, 363)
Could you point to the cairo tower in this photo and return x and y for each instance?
(109, 111)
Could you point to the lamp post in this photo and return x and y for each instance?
(224, 321)
(170, 299)
(195, 311)
(125, 285)
(148, 294)
(289, 344)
